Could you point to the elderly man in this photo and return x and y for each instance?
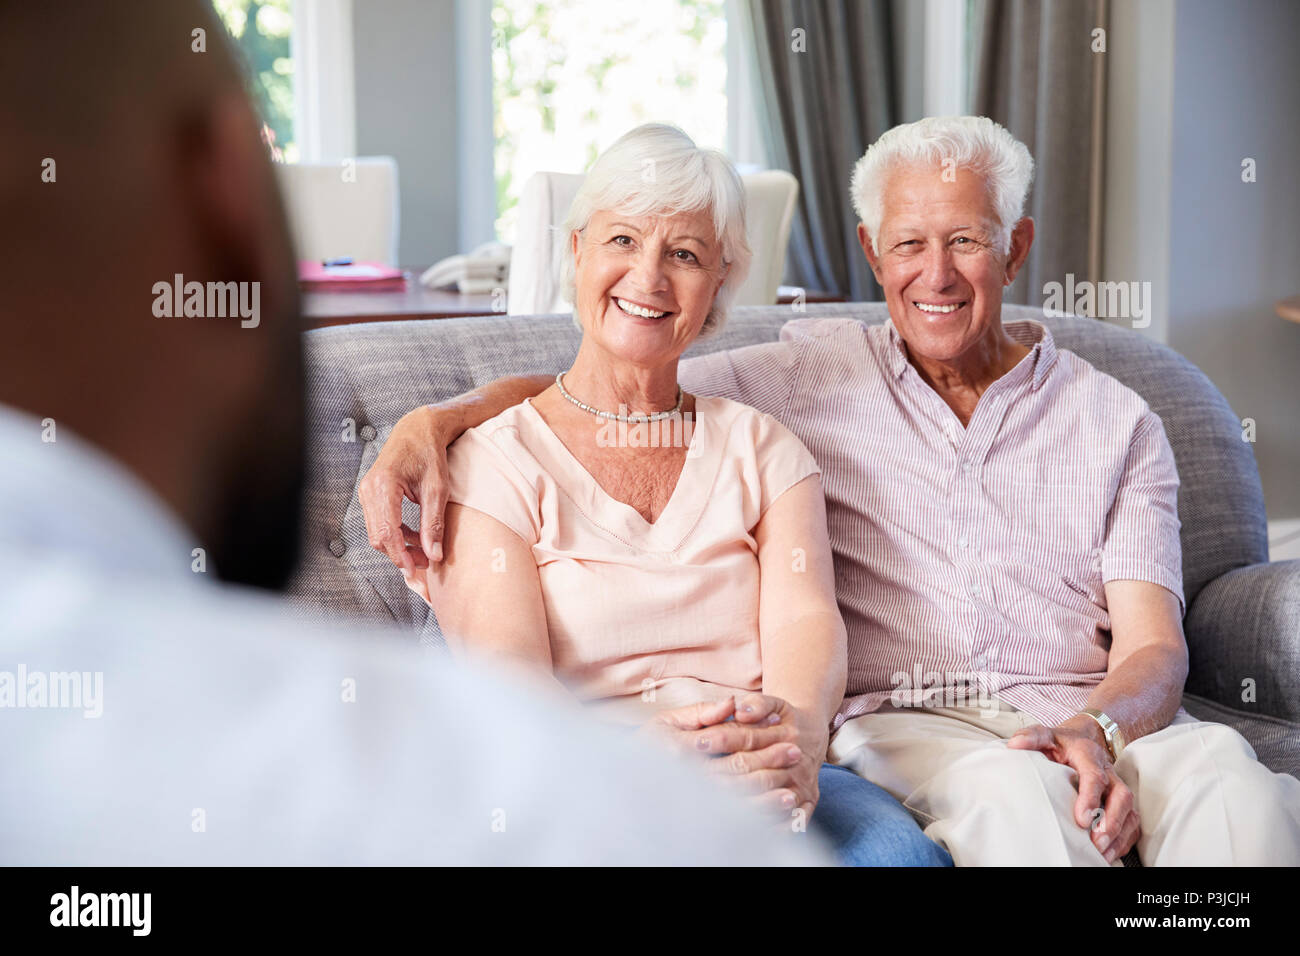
(1004, 519)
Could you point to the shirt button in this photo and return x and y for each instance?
(368, 433)
(337, 547)
(961, 543)
(975, 589)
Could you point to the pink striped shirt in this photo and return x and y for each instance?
(969, 556)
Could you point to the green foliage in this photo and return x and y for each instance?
(571, 76)
(260, 31)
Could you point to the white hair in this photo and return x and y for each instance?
(974, 142)
(658, 170)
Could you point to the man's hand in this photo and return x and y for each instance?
(412, 464)
(1104, 805)
(768, 747)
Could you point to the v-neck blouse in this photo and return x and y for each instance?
(640, 614)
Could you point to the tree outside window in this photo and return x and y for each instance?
(260, 30)
(571, 76)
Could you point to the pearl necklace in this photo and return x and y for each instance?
(631, 419)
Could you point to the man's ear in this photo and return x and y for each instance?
(872, 259)
(233, 201)
(1022, 237)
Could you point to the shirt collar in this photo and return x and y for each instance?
(1042, 354)
(68, 498)
(896, 353)
(1042, 349)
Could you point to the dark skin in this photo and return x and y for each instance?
(159, 170)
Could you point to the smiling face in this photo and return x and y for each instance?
(645, 284)
(939, 263)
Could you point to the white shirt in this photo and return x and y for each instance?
(971, 561)
(209, 725)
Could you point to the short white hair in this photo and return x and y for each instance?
(974, 142)
(656, 169)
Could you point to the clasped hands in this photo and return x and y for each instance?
(762, 744)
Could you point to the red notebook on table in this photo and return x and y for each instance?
(356, 276)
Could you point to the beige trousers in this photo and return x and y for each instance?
(1203, 798)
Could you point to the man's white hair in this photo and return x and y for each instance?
(973, 142)
(658, 170)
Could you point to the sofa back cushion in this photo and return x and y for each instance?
(362, 378)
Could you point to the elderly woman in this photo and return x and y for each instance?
(653, 550)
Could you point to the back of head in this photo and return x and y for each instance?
(132, 169)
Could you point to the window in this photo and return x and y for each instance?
(571, 76)
(261, 30)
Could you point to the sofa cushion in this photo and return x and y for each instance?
(1276, 741)
(362, 378)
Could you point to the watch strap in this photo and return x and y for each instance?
(1110, 731)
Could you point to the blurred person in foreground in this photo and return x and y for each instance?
(1004, 519)
(149, 714)
(651, 550)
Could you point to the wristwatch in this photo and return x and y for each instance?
(1110, 730)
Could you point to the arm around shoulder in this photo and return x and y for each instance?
(413, 465)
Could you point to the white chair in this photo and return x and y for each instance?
(539, 247)
(348, 208)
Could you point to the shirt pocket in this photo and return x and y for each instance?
(1058, 521)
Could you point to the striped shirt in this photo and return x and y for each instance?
(969, 558)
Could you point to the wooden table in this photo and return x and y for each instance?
(335, 307)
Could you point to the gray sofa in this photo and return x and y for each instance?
(1243, 622)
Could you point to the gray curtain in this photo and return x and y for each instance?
(827, 93)
(1035, 72)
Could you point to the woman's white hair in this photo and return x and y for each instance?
(658, 170)
(974, 142)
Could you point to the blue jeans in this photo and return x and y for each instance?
(867, 827)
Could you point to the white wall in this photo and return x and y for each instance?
(1194, 87)
(1235, 247)
(406, 106)
(1139, 143)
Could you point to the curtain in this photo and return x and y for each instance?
(1036, 71)
(826, 69)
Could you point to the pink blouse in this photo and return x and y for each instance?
(639, 614)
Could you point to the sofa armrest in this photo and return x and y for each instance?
(1244, 627)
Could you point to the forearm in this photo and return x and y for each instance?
(522, 661)
(1142, 694)
(454, 416)
(805, 664)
